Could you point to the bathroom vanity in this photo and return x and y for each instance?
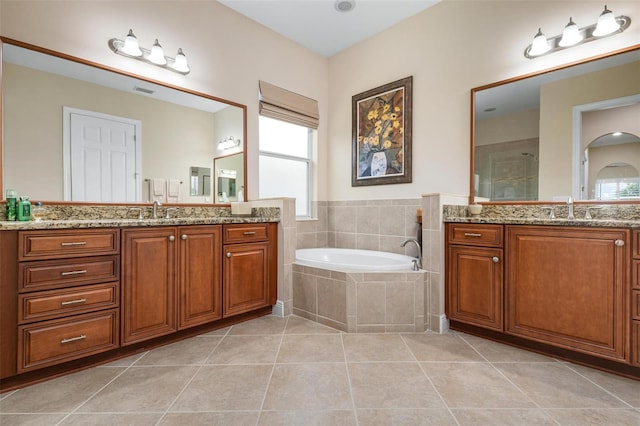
(567, 289)
(91, 291)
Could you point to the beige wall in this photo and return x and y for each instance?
(506, 128)
(557, 100)
(449, 49)
(624, 119)
(174, 137)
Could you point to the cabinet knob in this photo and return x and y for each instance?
(620, 243)
(229, 255)
(184, 236)
(172, 238)
(495, 259)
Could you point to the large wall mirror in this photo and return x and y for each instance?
(571, 131)
(76, 131)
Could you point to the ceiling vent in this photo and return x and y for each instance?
(143, 90)
(345, 5)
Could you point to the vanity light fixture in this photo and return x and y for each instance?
(608, 24)
(228, 143)
(131, 49)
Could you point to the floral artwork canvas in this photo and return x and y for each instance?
(382, 134)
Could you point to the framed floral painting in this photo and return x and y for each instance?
(381, 134)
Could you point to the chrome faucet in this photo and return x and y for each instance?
(570, 216)
(156, 204)
(417, 263)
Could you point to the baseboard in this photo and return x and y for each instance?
(278, 309)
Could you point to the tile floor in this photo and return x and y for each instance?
(290, 371)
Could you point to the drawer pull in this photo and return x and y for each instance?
(79, 272)
(619, 243)
(472, 234)
(74, 243)
(73, 339)
(73, 302)
(249, 233)
(228, 255)
(495, 259)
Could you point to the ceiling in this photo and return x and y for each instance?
(318, 26)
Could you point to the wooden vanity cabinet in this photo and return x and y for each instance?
(148, 283)
(635, 299)
(68, 295)
(568, 287)
(171, 280)
(474, 275)
(250, 270)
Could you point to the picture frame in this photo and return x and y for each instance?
(381, 123)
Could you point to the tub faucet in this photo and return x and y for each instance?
(570, 216)
(417, 263)
(156, 204)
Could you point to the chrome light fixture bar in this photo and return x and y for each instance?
(130, 48)
(229, 143)
(608, 24)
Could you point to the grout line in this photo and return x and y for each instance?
(99, 390)
(570, 367)
(346, 366)
(430, 381)
(522, 391)
(273, 368)
(189, 381)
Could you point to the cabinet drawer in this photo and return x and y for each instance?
(67, 243)
(53, 342)
(50, 274)
(245, 233)
(476, 235)
(57, 303)
(635, 305)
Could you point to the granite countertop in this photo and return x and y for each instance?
(603, 216)
(115, 223)
(594, 223)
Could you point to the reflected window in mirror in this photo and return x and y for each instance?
(617, 181)
(530, 132)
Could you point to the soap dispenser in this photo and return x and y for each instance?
(24, 209)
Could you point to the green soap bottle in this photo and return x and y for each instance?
(24, 209)
(10, 207)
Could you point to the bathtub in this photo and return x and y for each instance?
(359, 291)
(353, 260)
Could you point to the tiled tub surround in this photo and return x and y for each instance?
(357, 302)
(383, 225)
(380, 225)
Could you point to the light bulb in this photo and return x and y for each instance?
(180, 63)
(157, 54)
(131, 46)
(607, 24)
(539, 45)
(571, 35)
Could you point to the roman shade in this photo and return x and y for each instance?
(282, 104)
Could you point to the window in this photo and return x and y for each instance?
(285, 162)
(287, 132)
(618, 188)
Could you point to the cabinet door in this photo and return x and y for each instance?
(246, 277)
(148, 283)
(474, 288)
(568, 286)
(200, 275)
